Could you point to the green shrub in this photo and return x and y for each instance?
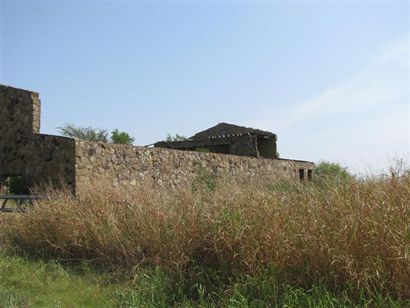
(331, 172)
(3, 185)
(118, 137)
(205, 180)
(176, 137)
(16, 185)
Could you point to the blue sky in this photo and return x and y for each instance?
(331, 78)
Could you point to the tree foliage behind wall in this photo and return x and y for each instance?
(95, 134)
(84, 133)
(175, 137)
(118, 137)
(326, 170)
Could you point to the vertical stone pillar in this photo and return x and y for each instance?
(19, 119)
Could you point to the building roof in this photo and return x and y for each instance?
(226, 130)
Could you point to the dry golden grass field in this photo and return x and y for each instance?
(351, 237)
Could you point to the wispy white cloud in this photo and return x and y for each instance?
(382, 82)
(360, 122)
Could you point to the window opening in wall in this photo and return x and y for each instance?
(310, 174)
(301, 174)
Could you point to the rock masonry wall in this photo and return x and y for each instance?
(127, 166)
(24, 152)
(237, 145)
(19, 120)
(64, 161)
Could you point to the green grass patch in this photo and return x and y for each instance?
(25, 283)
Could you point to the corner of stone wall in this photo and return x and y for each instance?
(52, 161)
(36, 115)
(19, 119)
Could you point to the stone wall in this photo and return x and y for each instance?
(64, 161)
(24, 152)
(52, 161)
(245, 145)
(127, 166)
(19, 120)
(241, 145)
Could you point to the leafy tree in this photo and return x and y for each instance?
(118, 137)
(95, 134)
(175, 137)
(325, 170)
(84, 133)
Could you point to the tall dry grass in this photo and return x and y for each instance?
(354, 234)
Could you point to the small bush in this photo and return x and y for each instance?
(204, 181)
(176, 137)
(118, 137)
(331, 172)
(16, 185)
(3, 186)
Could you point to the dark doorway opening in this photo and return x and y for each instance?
(301, 174)
(266, 147)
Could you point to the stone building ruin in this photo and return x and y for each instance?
(227, 138)
(60, 161)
